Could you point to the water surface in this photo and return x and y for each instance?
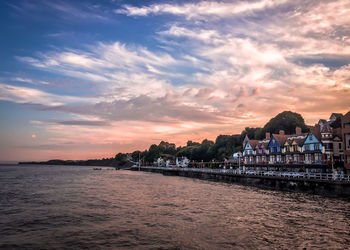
(72, 207)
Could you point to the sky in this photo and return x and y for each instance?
(89, 79)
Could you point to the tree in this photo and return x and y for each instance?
(135, 155)
(286, 121)
(191, 143)
(167, 148)
(152, 154)
(202, 151)
(253, 133)
(225, 146)
(121, 159)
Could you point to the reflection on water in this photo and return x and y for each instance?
(76, 207)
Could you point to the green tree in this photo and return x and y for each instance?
(152, 154)
(202, 151)
(135, 155)
(167, 148)
(253, 133)
(121, 159)
(225, 146)
(286, 121)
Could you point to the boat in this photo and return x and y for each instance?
(97, 168)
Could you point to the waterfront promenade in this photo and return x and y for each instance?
(316, 183)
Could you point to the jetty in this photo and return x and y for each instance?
(315, 183)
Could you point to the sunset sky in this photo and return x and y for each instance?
(89, 79)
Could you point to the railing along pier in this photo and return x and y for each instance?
(296, 175)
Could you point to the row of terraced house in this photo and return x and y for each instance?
(325, 143)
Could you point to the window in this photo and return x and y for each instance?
(296, 158)
(347, 141)
(288, 158)
(318, 157)
(339, 145)
(288, 149)
(295, 148)
(307, 147)
(308, 158)
(279, 158)
(311, 137)
(317, 146)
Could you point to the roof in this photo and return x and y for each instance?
(346, 117)
(299, 141)
(326, 128)
(262, 144)
(281, 139)
(322, 121)
(336, 115)
(316, 131)
(253, 143)
(246, 139)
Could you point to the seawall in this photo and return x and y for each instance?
(327, 188)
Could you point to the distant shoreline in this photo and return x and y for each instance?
(103, 162)
(8, 163)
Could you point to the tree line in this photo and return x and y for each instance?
(222, 148)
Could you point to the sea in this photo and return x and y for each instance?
(76, 207)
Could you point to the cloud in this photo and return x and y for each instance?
(34, 96)
(81, 11)
(200, 10)
(80, 122)
(31, 81)
(62, 9)
(123, 69)
(211, 75)
(332, 61)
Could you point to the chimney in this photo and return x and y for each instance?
(267, 135)
(298, 130)
(281, 132)
(317, 128)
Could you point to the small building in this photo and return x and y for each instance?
(345, 126)
(249, 151)
(312, 149)
(275, 146)
(335, 116)
(182, 162)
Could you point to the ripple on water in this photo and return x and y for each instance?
(74, 207)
